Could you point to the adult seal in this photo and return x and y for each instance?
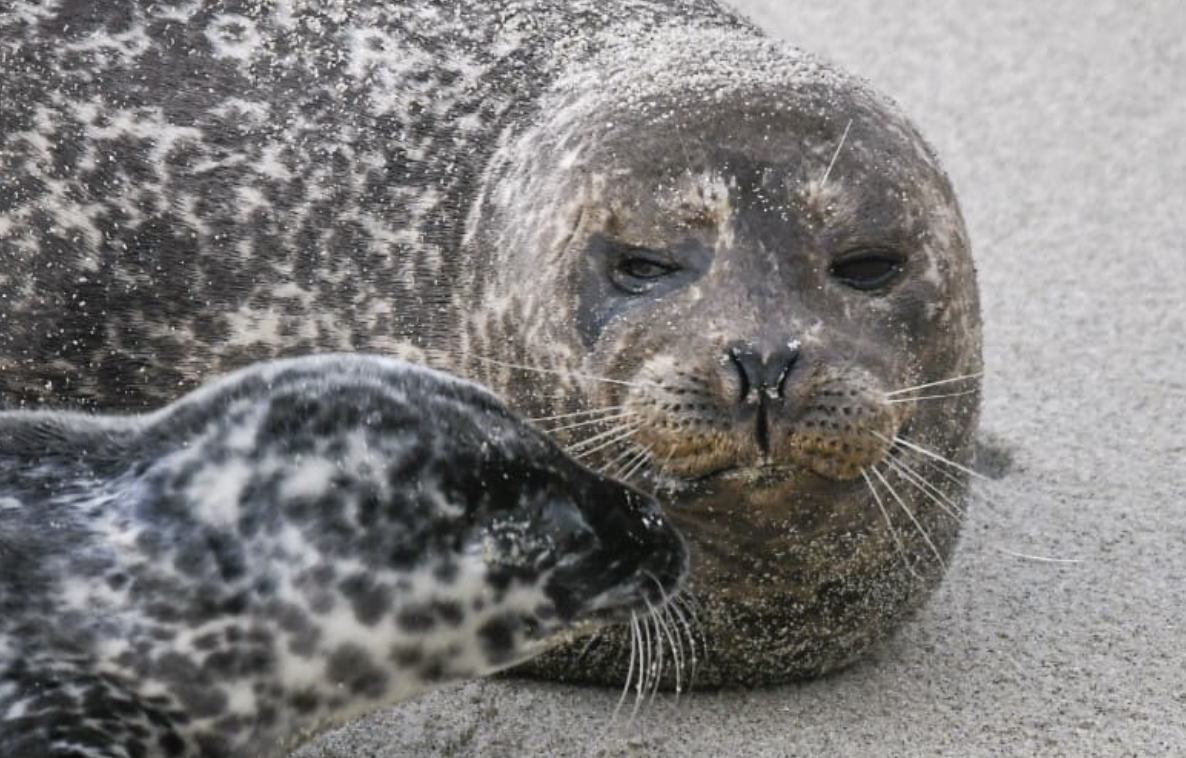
(298, 543)
(743, 258)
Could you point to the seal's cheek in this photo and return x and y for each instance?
(616, 276)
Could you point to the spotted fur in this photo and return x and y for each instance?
(190, 185)
(287, 548)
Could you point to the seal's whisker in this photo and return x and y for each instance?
(590, 422)
(583, 457)
(673, 638)
(677, 648)
(561, 372)
(619, 461)
(635, 454)
(992, 507)
(639, 461)
(1037, 558)
(578, 414)
(902, 441)
(657, 659)
(917, 398)
(617, 434)
(890, 525)
(662, 639)
(634, 637)
(836, 154)
(678, 604)
(913, 519)
(644, 668)
(615, 464)
(936, 495)
(915, 388)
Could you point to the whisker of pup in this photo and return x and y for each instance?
(890, 525)
(673, 639)
(657, 659)
(915, 388)
(562, 372)
(910, 514)
(634, 643)
(681, 614)
(644, 668)
(677, 648)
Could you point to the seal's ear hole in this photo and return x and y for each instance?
(867, 268)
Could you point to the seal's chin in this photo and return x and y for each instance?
(763, 476)
(760, 476)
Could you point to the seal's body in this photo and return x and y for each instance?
(755, 250)
(294, 545)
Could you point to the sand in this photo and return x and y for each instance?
(1063, 126)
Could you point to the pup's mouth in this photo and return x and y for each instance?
(642, 594)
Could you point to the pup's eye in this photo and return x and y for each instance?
(867, 269)
(638, 270)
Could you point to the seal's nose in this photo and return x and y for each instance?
(762, 371)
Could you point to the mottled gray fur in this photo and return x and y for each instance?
(294, 545)
(648, 191)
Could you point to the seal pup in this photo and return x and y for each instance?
(760, 255)
(291, 546)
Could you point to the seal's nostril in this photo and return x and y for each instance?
(763, 371)
(746, 361)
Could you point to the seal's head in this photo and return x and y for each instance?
(453, 515)
(296, 544)
(759, 264)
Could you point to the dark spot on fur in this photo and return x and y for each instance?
(171, 745)
(498, 639)
(449, 612)
(446, 572)
(416, 618)
(304, 702)
(351, 666)
(407, 656)
(369, 600)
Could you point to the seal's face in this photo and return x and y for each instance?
(763, 302)
(758, 283)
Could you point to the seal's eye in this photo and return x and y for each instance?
(637, 270)
(867, 269)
